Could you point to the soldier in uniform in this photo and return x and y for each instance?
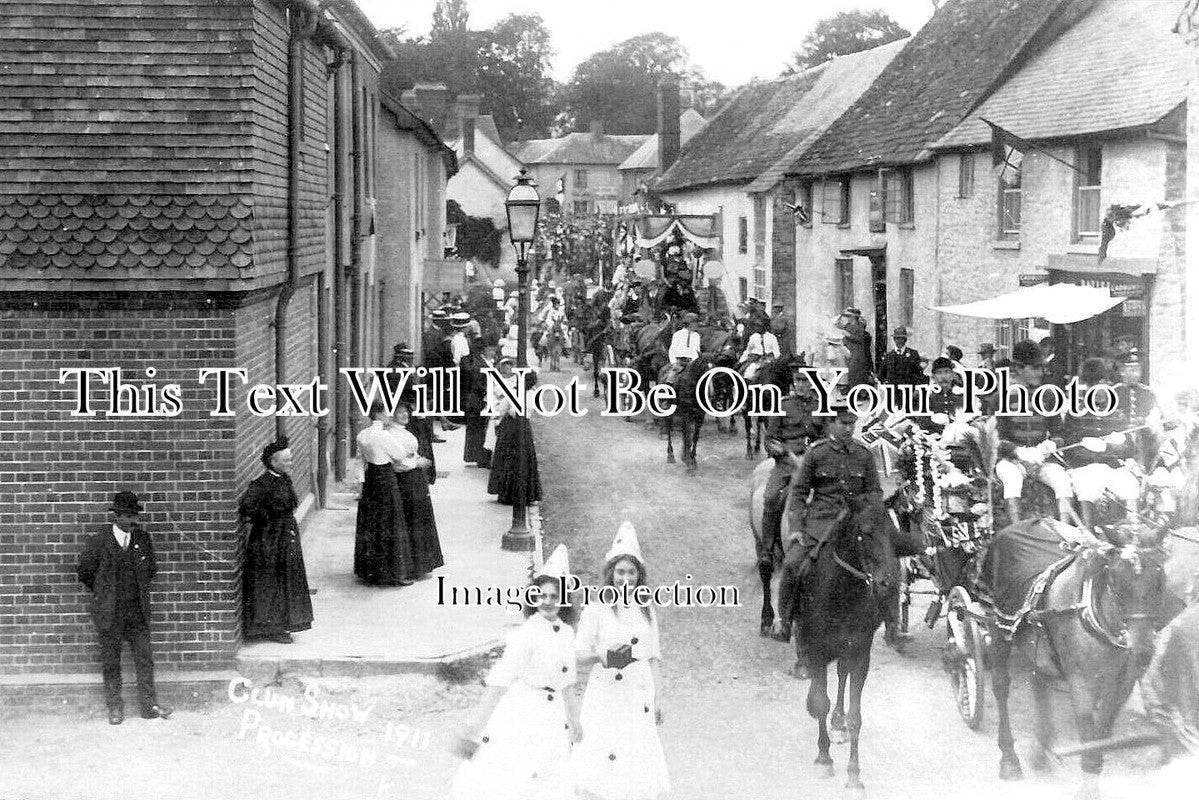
(901, 366)
(837, 482)
(787, 439)
(944, 404)
(1138, 406)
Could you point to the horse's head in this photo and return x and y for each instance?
(1137, 579)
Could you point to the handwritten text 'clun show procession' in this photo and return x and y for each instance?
(437, 392)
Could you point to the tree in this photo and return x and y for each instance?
(618, 86)
(514, 75)
(449, 16)
(845, 33)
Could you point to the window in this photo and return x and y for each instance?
(580, 179)
(1011, 194)
(804, 213)
(760, 283)
(759, 229)
(418, 195)
(581, 206)
(843, 283)
(876, 204)
(907, 296)
(835, 201)
(742, 235)
(966, 175)
(1010, 331)
(897, 195)
(743, 289)
(1088, 219)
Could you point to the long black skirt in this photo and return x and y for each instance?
(420, 524)
(382, 552)
(514, 437)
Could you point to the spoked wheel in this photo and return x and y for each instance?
(964, 658)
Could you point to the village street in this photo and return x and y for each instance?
(734, 719)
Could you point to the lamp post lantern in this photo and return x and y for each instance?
(523, 206)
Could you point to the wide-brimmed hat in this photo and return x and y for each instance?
(460, 320)
(439, 315)
(125, 503)
(851, 311)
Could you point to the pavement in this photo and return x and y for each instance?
(370, 630)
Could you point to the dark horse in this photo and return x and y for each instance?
(687, 409)
(1097, 617)
(777, 373)
(839, 611)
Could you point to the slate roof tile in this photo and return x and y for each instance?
(943, 72)
(38, 232)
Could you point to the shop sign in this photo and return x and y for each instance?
(1033, 278)
(1133, 308)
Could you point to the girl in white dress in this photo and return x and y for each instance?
(521, 734)
(620, 756)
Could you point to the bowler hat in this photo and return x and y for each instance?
(900, 333)
(125, 503)
(851, 312)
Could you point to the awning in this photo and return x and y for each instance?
(699, 230)
(1059, 303)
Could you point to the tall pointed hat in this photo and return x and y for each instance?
(556, 566)
(625, 544)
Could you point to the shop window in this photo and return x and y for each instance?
(1088, 218)
(843, 283)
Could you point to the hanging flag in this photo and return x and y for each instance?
(560, 193)
(1008, 149)
(1119, 216)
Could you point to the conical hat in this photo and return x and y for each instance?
(625, 544)
(557, 565)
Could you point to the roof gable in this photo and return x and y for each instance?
(938, 78)
(1119, 67)
(580, 148)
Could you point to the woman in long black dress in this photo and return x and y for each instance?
(513, 479)
(275, 588)
(382, 556)
(412, 476)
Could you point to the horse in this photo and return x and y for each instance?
(778, 373)
(687, 408)
(840, 610)
(552, 340)
(651, 354)
(1090, 597)
(597, 344)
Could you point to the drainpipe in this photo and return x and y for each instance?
(303, 16)
(357, 234)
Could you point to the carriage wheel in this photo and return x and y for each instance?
(965, 657)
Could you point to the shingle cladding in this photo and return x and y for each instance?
(952, 63)
(128, 143)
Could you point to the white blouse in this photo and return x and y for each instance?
(378, 446)
(602, 628)
(406, 447)
(540, 654)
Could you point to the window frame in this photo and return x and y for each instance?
(1009, 195)
(759, 208)
(966, 175)
(839, 215)
(901, 210)
(742, 235)
(1092, 186)
(843, 283)
(580, 178)
(586, 207)
(806, 199)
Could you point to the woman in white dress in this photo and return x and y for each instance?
(519, 740)
(620, 756)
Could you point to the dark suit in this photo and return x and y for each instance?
(474, 400)
(119, 580)
(902, 368)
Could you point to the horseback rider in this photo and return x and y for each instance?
(1097, 450)
(837, 483)
(787, 439)
(1138, 405)
(1027, 442)
(684, 346)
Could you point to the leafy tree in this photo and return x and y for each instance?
(477, 239)
(449, 16)
(845, 33)
(514, 75)
(618, 86)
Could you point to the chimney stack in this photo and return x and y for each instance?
(669, 139)
(597, 127)
(430, 101)
(468, 135)
(466, 107)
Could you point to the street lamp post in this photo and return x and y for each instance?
(523, 206)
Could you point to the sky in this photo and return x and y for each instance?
(741, 41)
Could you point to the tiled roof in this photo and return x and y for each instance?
(745, 137)
(841, 83)
(82, 232)
(579, 148)
(646, 156)
(943, 72)
(1121, 66)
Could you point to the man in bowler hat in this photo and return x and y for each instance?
(117, 566)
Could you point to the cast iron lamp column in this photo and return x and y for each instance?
(523, 206)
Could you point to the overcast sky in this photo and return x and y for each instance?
(745, 39)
